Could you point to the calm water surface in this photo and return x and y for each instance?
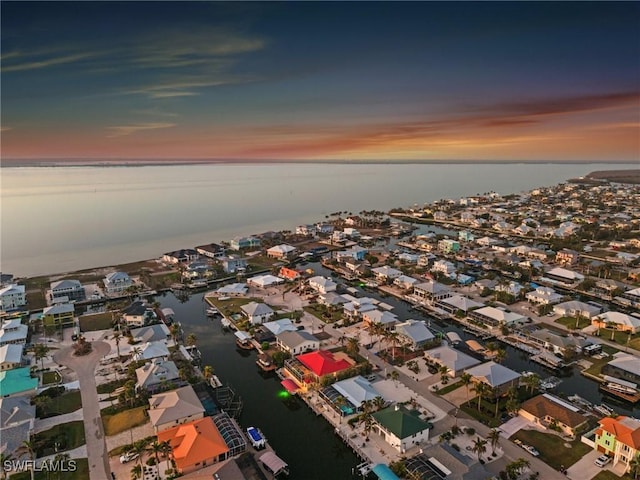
(58, 219)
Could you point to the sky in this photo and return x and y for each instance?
(344, 81)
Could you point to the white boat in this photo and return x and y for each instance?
(256, 437)
(225, 323)
(604, 409)
(214, 381)
(211, 311)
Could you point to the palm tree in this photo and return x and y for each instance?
(395, 376)
(353, 345)
(175, 331)
(494, 439)
(379, 403)
(613, 327)
(465, 379)
(495, 393)
(40, 351)
(501, 354)
(116, 338)
(514, 468)
(482, 390)
(4, 457)
(634, 467)
(444, 374)
(392, 338)
(532, 382)
(479, 447)
(28, 447)
(136, 472)
(155, 448)
(191, 339)
(207, 372)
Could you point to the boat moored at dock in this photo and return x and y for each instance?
(257, 438)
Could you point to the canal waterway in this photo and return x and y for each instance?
(306, 442)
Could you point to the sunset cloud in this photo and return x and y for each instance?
(124, 130)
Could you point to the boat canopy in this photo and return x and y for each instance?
(624, 383)
(289, 385)
(273, 462)
(242, 336)
(383, 472)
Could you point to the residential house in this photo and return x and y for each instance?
(549, 411)
(574, 308)
(624, 366)
(415, 334)
(385, 273)
(409, 258)
(297, 342)
(621, 321)
(152, 333)
(564, 276)
(558, 343)
(185, 255)
(322, 284)
(400, 427)
(195, 445)
(543, 296)
(405, 282)
(264, 281)
(17, 382)
(447, 245)
(71, 290)
(175, 407)
(198, 269)
(455, 361)
(244, 243)
(511, 288)
(233, 264)
(158, 375)
(356, 252)
(279, 326)
(495, 375)
(151, 350)
(12, 297)
(311, 367)
(281, 251)
(289, 273)
(456, 303)
(138, 314)
(257, 313)
(17, 418)
(619, 438)
(11, 356)
(355, 391)
(567, 257)
(443, 266)
(494, 317)
(357, 307)
(332, 299)
(57, 316)
(351, 233)
(465, 236)
(211, 250)
(233, 290)
(117, 282)
(324, 228)
(384, 318)
(13, 331)
(429, 292)
(306, 230)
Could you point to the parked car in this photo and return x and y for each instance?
(531, 450)
(127, 457)
(602, 460)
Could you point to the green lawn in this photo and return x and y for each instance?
(50, 377)
(449, 388)
(552, 448)
(81, 473)
(621, 338)
(111, 387)
(96, 321)
(324, 314)
(231, 306)
(609, 475)
(67, 403)
(598, 363)
(570, 322)
(67, 435)
(123, 421)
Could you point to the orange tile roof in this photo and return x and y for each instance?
(625, 429)
(194, 442)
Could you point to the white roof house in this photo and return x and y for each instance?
(10, 355)
(386, 272)
(264, 281)
(574, 308)
(151, 333)
(458, 302)
(281, 251)
(278, 326)
(494, 374)
(543, 296)
(565, 275)
(297, 342)
(415, 332)
(383, 318)
(495, 316)
(152, 350)
(13, 331)
(152, 375)
(624, 322)
(117, 282)
(257, 312)
(627, 362)
(12, 297)
(235, 289)
(356, 390)
(174, 407)
(322, 284)
(453, 359)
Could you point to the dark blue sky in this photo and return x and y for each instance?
(311, 80)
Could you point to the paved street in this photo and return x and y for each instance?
(85, 369)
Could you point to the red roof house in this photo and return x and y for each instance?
(322, 362)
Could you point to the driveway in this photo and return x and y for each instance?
(85, 367)
(512, 426)
(585, 469)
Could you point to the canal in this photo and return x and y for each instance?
(306, 442)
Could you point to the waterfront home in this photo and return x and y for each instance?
(543, 296)
(198, 269)
(257, 313)
(487, 241)
(233, 264)
(233, 290)
(511, 288)
(279, 326)
(322, 284)
(242, 243)
(289, 273)
(264, 281)
(59, 315)
(553, 341)
(312, 367)
(195, 445)
(338, 236)
(16, 382)
(456, 303)
(405, 282)
(409, 258)
(619, 438)
(12, 297)
(429, 292)
(324, 228)
(621, 321)
(443, 266)
(356, 253)
(426, 259)
(567, 257)
(624, 366)
(353, 391)
(549, 411)
(455, 361)
(17, 418)
(151, 350)
(351, 233)
(415, 334)
(495, 317)
(385, 274)
(575, 308)
(354, 309)
(401, 428)
(495, 375)
(211, 250)
(281, 251)
(231, 433)
(67, 290)
(465, 236)
(297, 342)
(168, 409)
(11, 356)
(447, 245)
(137, 314)
(117, 282)
(332, 299)
(152, 333)
(377, 317)
(186, 255)
(13, 331)
(563, 275)
(306, 230)
(158, 375)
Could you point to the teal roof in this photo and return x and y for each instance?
(16, 381)
(399, 421)
(384, 473)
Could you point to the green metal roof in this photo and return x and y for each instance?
(400, 421)
(16, 381)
